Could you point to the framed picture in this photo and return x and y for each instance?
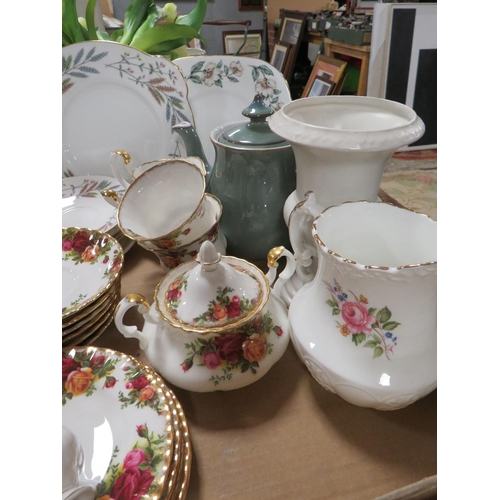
(325, 68)
(279, 56)
(292, 27)
(250, 4)
(321, 86)
(232, 41)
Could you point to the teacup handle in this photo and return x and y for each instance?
(111, 196)
(118, 161)
(301, 239)
(272, 263)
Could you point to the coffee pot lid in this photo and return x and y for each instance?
(256, 132)
(212, 293)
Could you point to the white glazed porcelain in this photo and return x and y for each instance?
(162, 200)
(342, 144)
(365, 322)
(221, 86)
(117, 408)
(184, 245)
(126, 174)
(83, 205)
(216, 324)
(92, 262)
(115, 97)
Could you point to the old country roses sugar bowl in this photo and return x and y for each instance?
(216, 324)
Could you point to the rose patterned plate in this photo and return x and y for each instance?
(83, 205)
(116, 408)
(221, 87)
(115, 97)
(92, 261)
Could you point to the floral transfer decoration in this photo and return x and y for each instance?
(140, 391)
(82, 372)
(89, 188)
(366, 325)
(84, 246)
(236, 352)
(134, 477)
(152, 76)
(211, 74)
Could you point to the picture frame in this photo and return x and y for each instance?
(291, 32)
(279, 56)
(321, 86)
(325, 68)
(232, 41)
(250, 4)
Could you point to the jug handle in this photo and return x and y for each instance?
(119, 169)
(301, 239)
(272, 263)
(129, 301)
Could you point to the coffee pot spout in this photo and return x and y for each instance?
(193, 145)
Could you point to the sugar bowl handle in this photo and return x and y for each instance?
(272, 263)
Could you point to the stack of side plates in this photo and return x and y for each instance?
(129, 424)
(84, 206)
(92, 263)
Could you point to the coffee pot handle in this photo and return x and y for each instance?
(301, 239)
(272, 263)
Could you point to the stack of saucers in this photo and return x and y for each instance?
(84, 206)
(92, 263)
(144, 450)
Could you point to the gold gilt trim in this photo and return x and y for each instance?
(379, 268)
(117, 277)
(169, 428)
(187, 221)
(273, 255)
(262, 298)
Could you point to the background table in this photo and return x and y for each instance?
(285, 436)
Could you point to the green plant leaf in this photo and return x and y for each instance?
(371, 343)
(71, 26)
(358, 338)
(378, 351)
(134, 16)
(148, 23)
(156, 37)
(90, 19)
(196, 17)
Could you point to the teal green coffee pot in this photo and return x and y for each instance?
(253, 174)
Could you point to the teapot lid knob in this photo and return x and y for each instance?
(257, 109)
(208, 257)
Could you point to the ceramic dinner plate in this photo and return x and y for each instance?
(83, 205)
(116, 409)
(115, 97)
(221, 87)
(91, 263)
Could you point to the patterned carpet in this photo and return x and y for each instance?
(410, 180)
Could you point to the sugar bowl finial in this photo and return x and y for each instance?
(208, 257)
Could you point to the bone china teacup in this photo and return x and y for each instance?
(162, 200)
(365, 323)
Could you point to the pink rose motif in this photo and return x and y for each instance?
(233, 309)
(174, 294)
(357, 318)
(81, 240)
(134, 458)
(110, 382)
(133, 483)
(211, 359)
(140, 382)
(67, 245)
(68, 365)
(230, 346)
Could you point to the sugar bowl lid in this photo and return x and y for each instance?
(212, 294)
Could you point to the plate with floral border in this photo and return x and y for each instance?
(115, 97)
(221, 87)
(92, 261)
(83, 204)
(116, 409)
